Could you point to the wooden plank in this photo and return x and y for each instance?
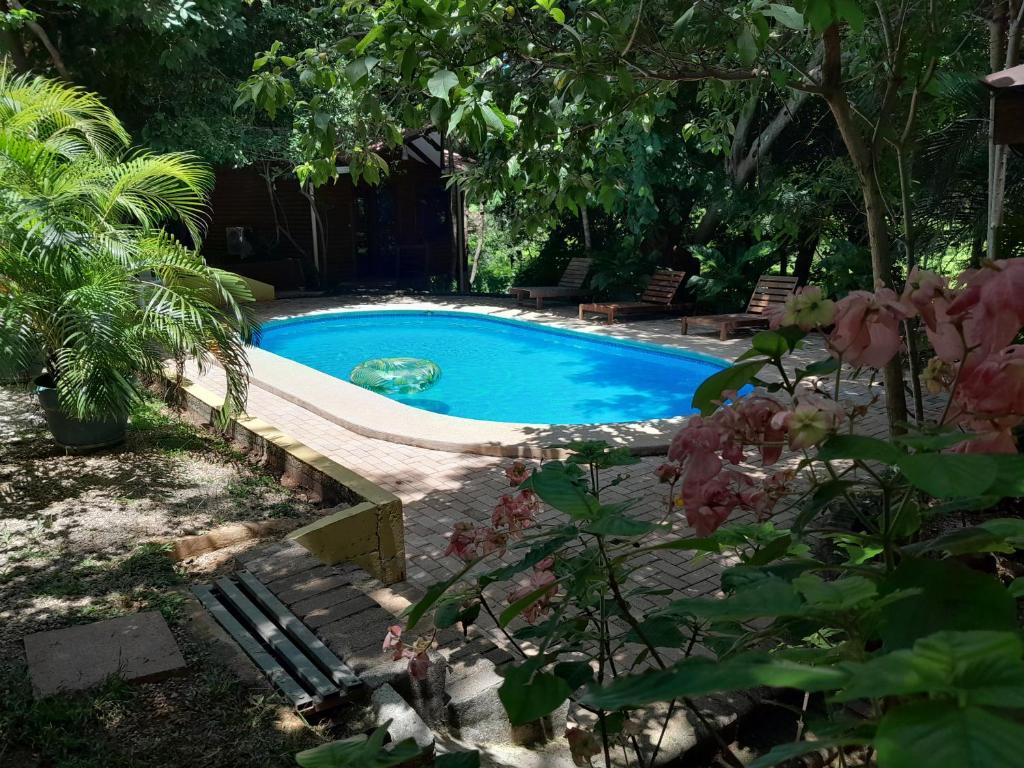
(340, 672)
(278, 675)
(276, 639)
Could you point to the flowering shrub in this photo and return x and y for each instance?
(892, 586)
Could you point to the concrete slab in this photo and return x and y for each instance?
(136, 648)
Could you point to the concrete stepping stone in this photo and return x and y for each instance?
(137, 648)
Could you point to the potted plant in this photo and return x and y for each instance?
(89, 276)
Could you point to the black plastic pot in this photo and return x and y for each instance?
(74, 433)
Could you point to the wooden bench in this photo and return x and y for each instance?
(569, 287)
(770, 292)
(659, 297)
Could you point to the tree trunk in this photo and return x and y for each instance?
(805, 251)
(1005, 29)
(863, 159)
(741, 166)
(44, 39)
(479, 248)
(585, 223)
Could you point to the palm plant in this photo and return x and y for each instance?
(87, 273)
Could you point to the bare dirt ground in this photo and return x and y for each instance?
(80, 540)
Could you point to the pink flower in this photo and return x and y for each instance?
(667, 472)
(542, 576)
(583, 745)
(518, 473)
(462, 542)
(867, 328)
(694, 447)
(806, 308)
(710, 503)
(419, 666)
(995, 386)
(937, 376)
(993, 302)
(929, 294)
(761, 497)
(516, 512)
(393, 640)
(812, 420)
(750, 421)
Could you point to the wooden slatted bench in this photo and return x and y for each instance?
(659, 297)
(569, 287)
(770, 292)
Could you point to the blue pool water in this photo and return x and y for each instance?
(503, 370)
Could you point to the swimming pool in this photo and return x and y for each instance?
(496, 369)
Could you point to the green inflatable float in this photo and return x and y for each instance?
(396, 375)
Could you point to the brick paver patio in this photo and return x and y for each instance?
(440, 488)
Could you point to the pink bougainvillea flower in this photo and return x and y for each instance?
(867, 327)
(807, 309)
(747, 421)
(583, 746)
(490, 540)
(518, 473)
(993, 302)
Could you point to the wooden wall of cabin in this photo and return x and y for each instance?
(396, 233)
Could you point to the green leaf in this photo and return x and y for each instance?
(368, 39)
(492, 118)
(659, 631)
(850, 12)
(859, 447)
(820, 368)
(433, 594)
(823, 495)
(950, 475)
(836, 595)
(441, 83)
(555, 487)
(785, 752)
(765, 598)
(408, 64)
(819, 14)
(558, 15)
(528, 695)
(952, 597)
(360, 752)
(732, 378)
(939, 733)
(620, 525)
(1016, 588)
(458, 760)
(699, 676)
(575, 673)
(746, 47)
(1009, 475)
(977, 667)
(770, 344)
(446, 615)
(1000, 535)
(786, 15)
(522, 604)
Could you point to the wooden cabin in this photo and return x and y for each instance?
(401, 233)
(1008, 105)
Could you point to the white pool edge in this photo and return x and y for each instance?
(371, 415)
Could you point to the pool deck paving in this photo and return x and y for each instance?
(439, 488)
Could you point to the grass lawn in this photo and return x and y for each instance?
(78, 542)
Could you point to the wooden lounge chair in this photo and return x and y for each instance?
(569, 287)
(771, 291)
(659, 296)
